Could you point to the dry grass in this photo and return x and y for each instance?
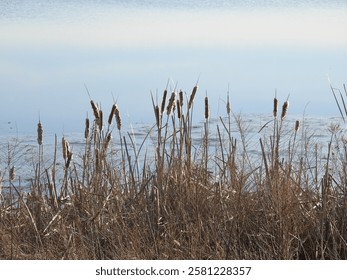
(183, 201)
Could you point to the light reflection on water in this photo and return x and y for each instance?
(126, 49)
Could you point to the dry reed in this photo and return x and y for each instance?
(189, 200)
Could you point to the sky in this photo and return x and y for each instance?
(50, 54)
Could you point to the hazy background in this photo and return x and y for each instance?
(49, 51)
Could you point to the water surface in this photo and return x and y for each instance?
(126, 50)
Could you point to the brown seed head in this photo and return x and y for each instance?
(107, 142)
(163, 101)
(39, 133)
(284, 109)
(100, 120)
(110, 117)
(157, 115)
(191, 99)
(118, 118)
(65, 147)
(178, 108)
(207, 111)
(12, 173)
(228, 107)
(95, 109)
(86, 129)
(297, 125)
(275, 107)
(69, 158)
(181, 98)
(171, 105)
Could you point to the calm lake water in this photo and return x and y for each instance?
(126, 50)
(313, 136)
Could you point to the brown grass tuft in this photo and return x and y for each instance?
(180, 197)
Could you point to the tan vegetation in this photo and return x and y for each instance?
(183, 201)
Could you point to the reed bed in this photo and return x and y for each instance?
(184, 200)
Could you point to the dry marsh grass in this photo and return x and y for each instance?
(182, 201)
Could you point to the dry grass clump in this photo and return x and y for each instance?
(184, 201)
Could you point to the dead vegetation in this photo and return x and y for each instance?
(181, 201)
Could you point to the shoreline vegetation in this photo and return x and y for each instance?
(181, 200)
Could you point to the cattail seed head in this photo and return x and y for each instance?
(228, 106)
(69, 158)
(95, 109)
(207, 111)
(157, 115)
(171, 105)
(12, 174)
(97, 159)
(106, 142)
(100, 120)
(297, 125)
(39, 133)
(110, 117)
(65, 147)
(118, 118)
(191, 99)
(86, 129)
(284, 109)
(181, 98)
(163, 101)
(275, 107)
(178, 109)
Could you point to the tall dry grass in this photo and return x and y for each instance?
(186, 200)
